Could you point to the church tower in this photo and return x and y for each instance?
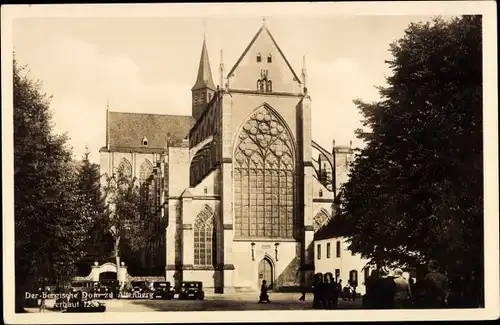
(204, 87)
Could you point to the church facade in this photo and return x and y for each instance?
(240, 183)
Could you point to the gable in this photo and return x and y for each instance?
(247, 70)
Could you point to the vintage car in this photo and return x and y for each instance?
(163, 290)
(82, 286)
(111, 288)
(102, 290)
(191, 290)
(140, 287)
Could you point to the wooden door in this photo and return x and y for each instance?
(266, 272)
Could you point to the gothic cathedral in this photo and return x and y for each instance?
(239, 185)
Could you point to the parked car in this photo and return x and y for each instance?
(101, 291)
(163, 290)
(191, 290)
(82, 286)
(112, 288)
(140, 287)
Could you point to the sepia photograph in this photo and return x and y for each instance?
(298, 161)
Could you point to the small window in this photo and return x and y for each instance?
(319, 251)
(320, 193)
(269, 87)
(338, 248)
(328, 249)
(205, 190)
(269, 58)
(259, 58)
(262, 85)
(337, 274)
(353, 278)
(145, 141)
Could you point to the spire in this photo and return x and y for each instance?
(221, 70)
(304, 72)
(204, 30)
(204, 78)
(107, 123)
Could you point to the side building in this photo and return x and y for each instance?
(331, 253)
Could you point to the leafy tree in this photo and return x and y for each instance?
(51, 219)
(98, 244)
(131, 214)
(416, 190)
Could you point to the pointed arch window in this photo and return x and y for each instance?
(146, 169)
(320, 219)
(258, 84)
(264, 178)
(204, 238)
(269, 86)
(269, 58)
(125, 168)
(259, 58)
(262, 85)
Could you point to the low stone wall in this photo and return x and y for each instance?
(82, 278)
(145, 278)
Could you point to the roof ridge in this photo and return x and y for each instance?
(156, 114)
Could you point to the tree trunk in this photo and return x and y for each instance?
(117, 257)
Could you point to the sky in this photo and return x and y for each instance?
(149, 64)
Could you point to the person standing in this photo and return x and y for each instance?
(330, 287)
(41, 294)
(354, 293)
(264, 297)
(317, 291)
(339, 288)
(385, 288)
(436, 287)
(370, 295)
(335, 294)
(402, 294)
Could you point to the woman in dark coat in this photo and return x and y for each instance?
(318, 291)
(331, 294)
(264, 297)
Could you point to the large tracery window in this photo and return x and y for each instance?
(125, 168)
(204, 237)
(264, 178)
(146, 170)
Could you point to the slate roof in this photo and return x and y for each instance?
(332, 229)
(127, 130)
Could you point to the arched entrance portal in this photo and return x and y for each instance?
(266, 272)
(107, 276)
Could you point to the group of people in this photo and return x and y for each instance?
(434, 290)
(327, 290)
(386, 289)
